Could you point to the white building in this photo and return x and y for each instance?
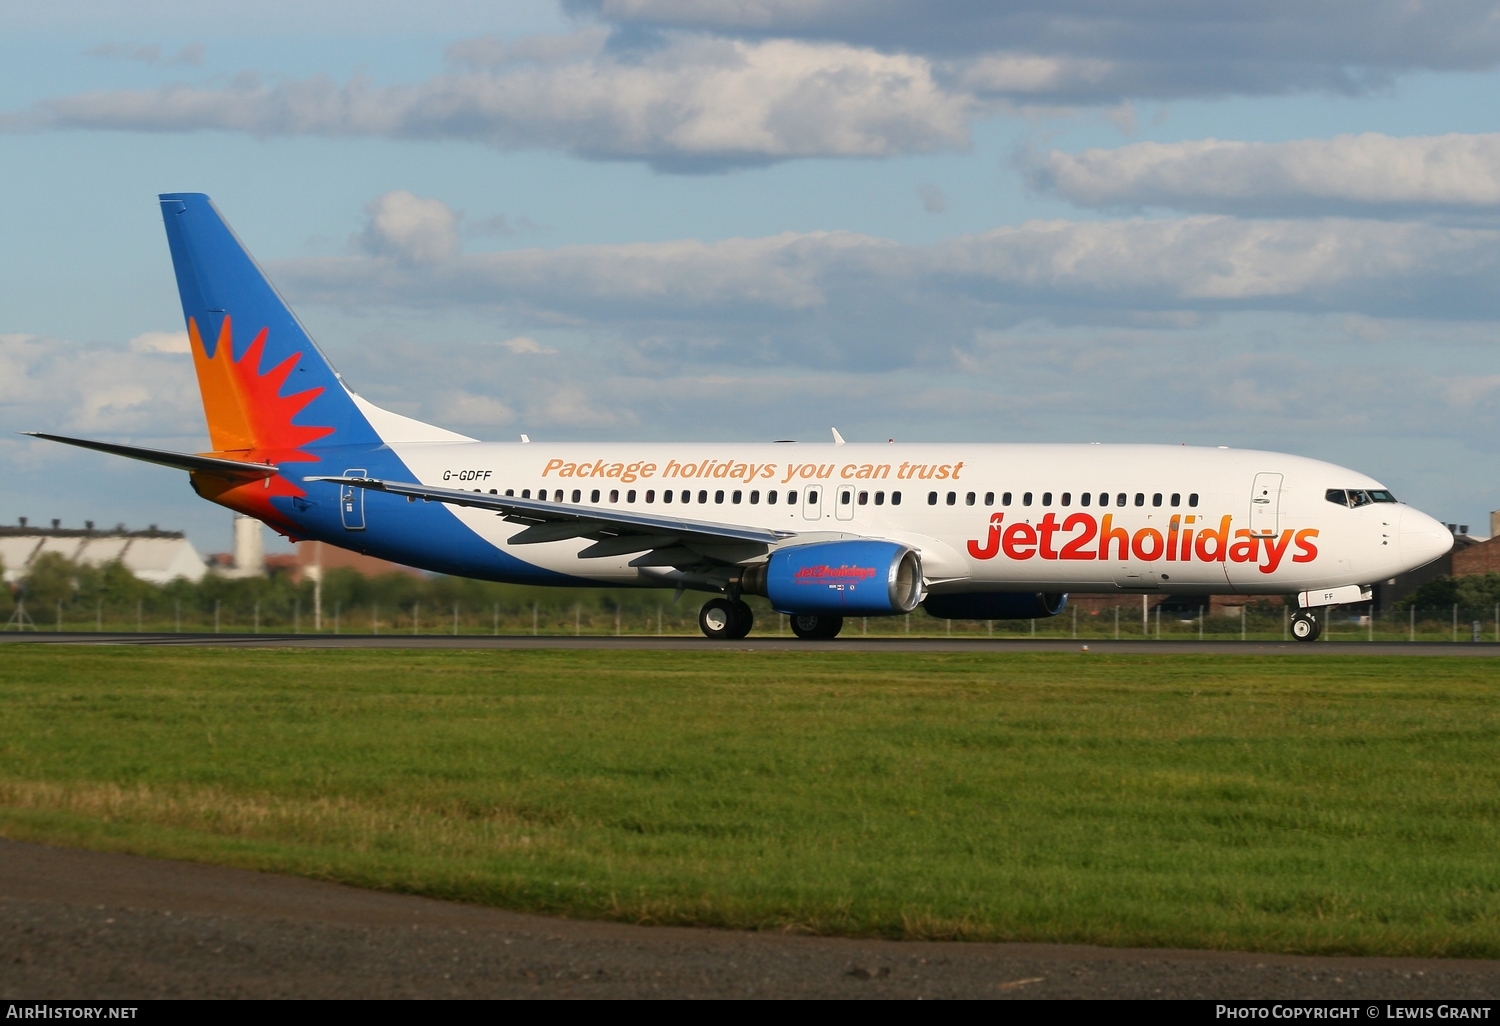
(152, 555)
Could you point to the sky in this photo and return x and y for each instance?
(1266, 225)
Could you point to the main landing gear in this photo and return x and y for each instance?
(817, 628)
(1306, 625)
(725, 619)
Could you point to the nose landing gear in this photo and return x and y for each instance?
(725, 620)
(1306, 625)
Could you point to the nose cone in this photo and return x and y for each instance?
(1423, 539)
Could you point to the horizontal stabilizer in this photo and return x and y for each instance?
(180, 460)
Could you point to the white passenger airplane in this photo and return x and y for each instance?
(825, 531)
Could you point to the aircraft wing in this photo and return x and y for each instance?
(180, 460)
(667, 541)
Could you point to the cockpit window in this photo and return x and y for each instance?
(1355, 497)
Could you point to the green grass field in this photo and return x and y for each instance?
(1275, 803)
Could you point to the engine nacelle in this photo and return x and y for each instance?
(842, 578)
(996, 605)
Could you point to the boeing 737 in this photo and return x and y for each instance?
(823, 531)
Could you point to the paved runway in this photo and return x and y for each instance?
(79, 924)
(1485, 649)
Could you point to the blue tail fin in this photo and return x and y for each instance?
(266, 386)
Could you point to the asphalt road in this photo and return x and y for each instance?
(80, 924)
(1483, 649)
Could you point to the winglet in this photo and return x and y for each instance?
(838, 439)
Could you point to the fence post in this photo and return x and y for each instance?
(257, 616)
(497, 619)
(658, 620)
(99, 616)
(1412, 619)
(1117, 623)
(216, 616)
(337, 608)
(577, 619)
(176, 615)
(1075, 624)
(1285, 616)
(1200, 623)
(1033, 626)
(59, 616)
(416, 615)
(1371, 635)
(374, 618)
(1455, 621)
(533, 619)
(455, 619)
(297, 615)
(1158, 621)
(139, 617)
(1242, 623)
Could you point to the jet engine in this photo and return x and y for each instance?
(841, 578)
(996, 605)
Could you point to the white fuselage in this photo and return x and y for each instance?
(1000, 517)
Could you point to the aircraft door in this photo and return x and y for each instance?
(1265, 505)
(352, 503)
(843, 508)
(812, 503)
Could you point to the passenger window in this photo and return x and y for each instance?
(932, 498)
(1120, 499)
(895, 498)
(864, 498)
(1005, 499)
(719, 498)
(1193, 499)
(880, 498)
(1085, 498)
(614, 495)
(492, 491)
(577, 495)
(703, 497)
(1156, 499)
(594, 495)
(989, 498)
(1104, 498)
(650, 495)
(1026, 499)
(666, 496)
(755, 497)
(771, 498)
(1067, 498)
(1046, 498)
(952, 498)
(1140, 498)
(511, 492)
(1177, 498)
(844, 498)
(737, 497)
(969, 499)
(812, 495)
(525, 493)
(791, 498)
(630, 495)
(686, 496)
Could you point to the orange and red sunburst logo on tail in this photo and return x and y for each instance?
(249, 419)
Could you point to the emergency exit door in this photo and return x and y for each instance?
(812, 503)
(843, 508)
(352, 503)
(1265, 505)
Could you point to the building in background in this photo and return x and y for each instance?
(152, 555)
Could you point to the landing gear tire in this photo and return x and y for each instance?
(723, 620)
(1305, 625)
(817, 628)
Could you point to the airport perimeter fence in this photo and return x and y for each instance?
(594, 614)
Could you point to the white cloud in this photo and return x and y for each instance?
(842, 297)
(409, 228)
(462, 407)
(695, 101)
(161, 342)
(523, 344)
(148, 53)
(1370, 172)
(59, 385)
(933, 200)
(1084, 51)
